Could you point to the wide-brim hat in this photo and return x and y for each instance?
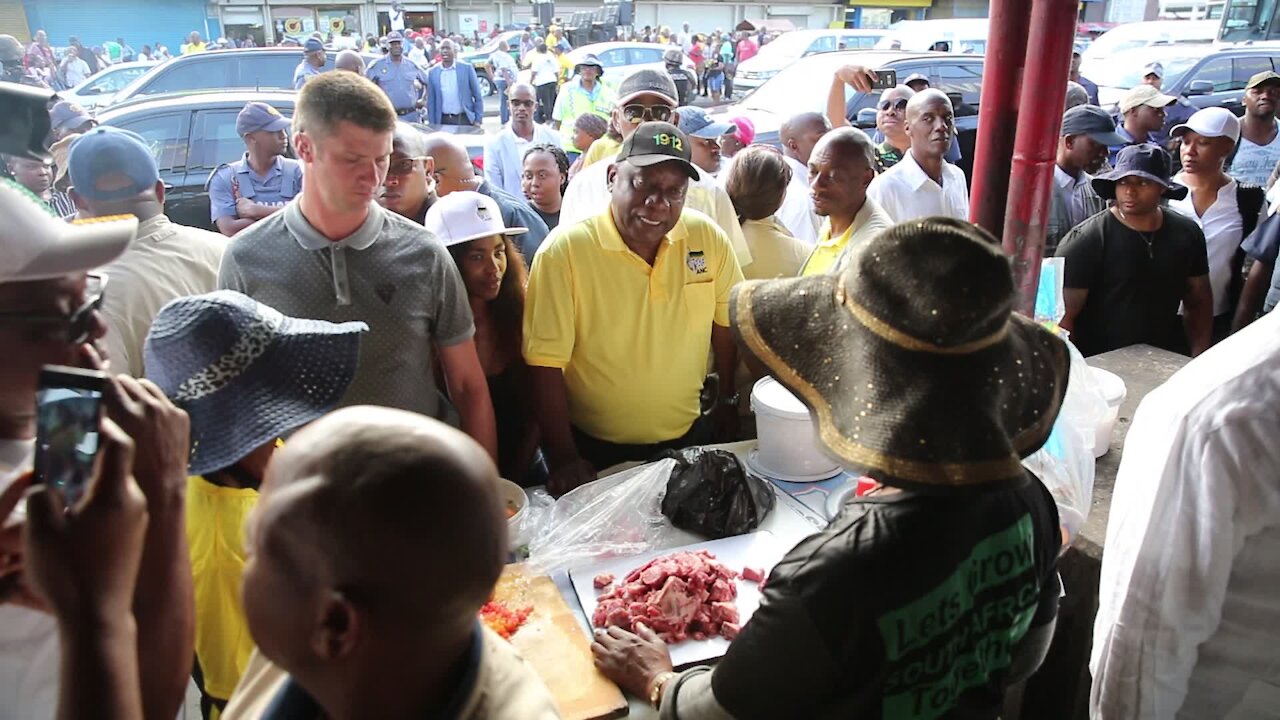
(245, 373)
(1145, 161)
(592, 61)
(914, 366)
(36, 245)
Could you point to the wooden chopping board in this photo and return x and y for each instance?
(552, 640)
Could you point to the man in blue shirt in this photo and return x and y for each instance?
(404, 83)
(312, 61)
(453, 91)
(260, 183)
(1142, 112)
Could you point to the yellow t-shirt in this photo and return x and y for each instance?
(215, 532)
(632, 339)
(775, 252)
(828, 250)
(604, 148)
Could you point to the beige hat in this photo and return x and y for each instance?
(1145, 95)
(60, 150)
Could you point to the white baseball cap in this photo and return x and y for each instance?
(1154, 68)
(35, 245)
(466, 215)
(1145, 95)
(1210, 122)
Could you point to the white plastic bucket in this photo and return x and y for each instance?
(1114, 391)
(788, 441)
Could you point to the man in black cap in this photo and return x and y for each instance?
(1087, 132)
(245, 191)
(620, 311)
(935, 393)
(1128, 268)
(312, 61)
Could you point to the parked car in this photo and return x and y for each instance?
(620, 59)
(479, 57)
(1130, 36)
(803, 86)
(960, 35)
(191, 134)
(248, 68)
(1207, 75)
(102, 87)
(791, 46)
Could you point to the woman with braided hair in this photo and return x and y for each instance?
(543, 180)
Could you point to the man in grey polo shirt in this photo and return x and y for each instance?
(334, 254)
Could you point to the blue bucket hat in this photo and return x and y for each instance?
(1145, 161)
(245, 373)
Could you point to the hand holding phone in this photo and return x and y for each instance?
(68, 412)
(885, 79)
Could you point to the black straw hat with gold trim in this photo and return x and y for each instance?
(913, 363)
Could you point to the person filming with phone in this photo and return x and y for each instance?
(50, 315)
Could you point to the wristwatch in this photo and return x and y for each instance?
(731, 400)
(659, 684)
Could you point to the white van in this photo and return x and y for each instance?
(957, 35)
(791, 46)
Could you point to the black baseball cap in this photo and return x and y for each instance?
(658, 142)
(1093, 121)
(647, 82)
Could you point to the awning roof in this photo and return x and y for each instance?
(771, 25)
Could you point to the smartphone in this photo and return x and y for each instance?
(885, 79)
(68, 410)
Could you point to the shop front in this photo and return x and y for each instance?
(299, 21)
(883, 13)
(408, 16)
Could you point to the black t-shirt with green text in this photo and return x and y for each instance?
(906, 607)
(1135, 280)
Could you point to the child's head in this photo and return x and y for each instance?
(588, 128)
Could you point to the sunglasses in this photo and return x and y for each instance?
(402, 166)
(78, 326)
(636, 114)
(899, 105)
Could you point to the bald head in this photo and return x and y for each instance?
(799, 133)
(848, 145)
(397, 511)
(453, 168)
(350, 61)
(925, 99)
(931, 125)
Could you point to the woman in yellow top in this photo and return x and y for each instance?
(247, 376)
(757, 184)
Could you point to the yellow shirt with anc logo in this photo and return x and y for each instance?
(632, 339)
(604, 148)
(215, 533)
(828, 249)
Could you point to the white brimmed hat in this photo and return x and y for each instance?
(464, 216)
(1210, 122)
(35, 245)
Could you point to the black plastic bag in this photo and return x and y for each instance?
(709, 493)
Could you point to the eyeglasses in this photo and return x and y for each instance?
(402, 166)
(636, 114)
(78, 326)
(521, 103)
(899, 105)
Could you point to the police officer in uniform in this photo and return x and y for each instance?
(11, 59)
(404, 82)
(684, 80)
(312, 61)
(260, 183)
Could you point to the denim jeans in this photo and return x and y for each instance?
(504, 110)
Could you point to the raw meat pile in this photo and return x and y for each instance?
(679, 596)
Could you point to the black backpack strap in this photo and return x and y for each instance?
(1250, 199)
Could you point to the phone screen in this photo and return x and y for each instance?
(67, 415)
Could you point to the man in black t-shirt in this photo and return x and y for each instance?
(1129, 267)
(931, 594)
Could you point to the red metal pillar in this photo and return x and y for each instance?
(1001, 75)
(1051, 37)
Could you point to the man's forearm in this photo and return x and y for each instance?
(229, 226)
(836, 104)
(551, 408)
(726, 359)
(476, 408)
(99, 670)
(165, 609)
(1252, 294)
(1198, 319)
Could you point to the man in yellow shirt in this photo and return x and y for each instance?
(620, 313)
(246, 375)
(841, 167)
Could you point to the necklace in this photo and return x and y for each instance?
(1147, 237)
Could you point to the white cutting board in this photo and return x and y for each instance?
(758, 550)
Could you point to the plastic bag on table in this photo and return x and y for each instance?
(710, 494)
(615, 516)
(1065, 464)
(535, 512)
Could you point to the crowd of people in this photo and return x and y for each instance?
(307, 411)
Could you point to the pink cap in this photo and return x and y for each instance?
(746, 132)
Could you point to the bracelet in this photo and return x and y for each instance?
(731, 400)
(655, 692)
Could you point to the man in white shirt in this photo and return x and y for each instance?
(504, 152)
(1259, 149)
(643, 96)
(418, 54)
(546, 76)
(799, 134)
(923, 184)
(74, 69)
(1188, 625)
(1217, 203)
